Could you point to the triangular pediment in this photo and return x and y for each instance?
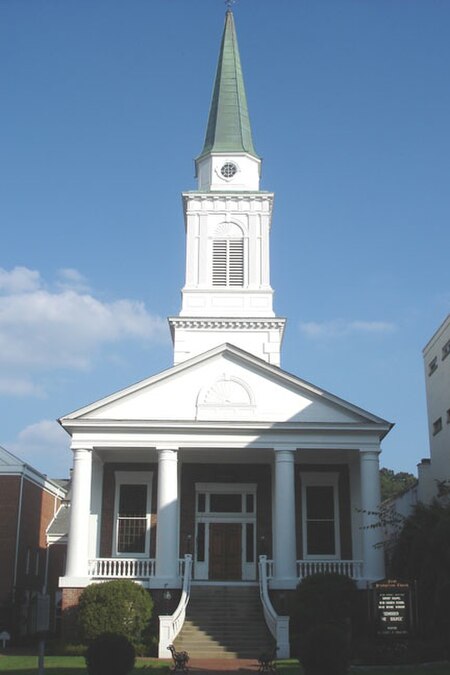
(227, 384)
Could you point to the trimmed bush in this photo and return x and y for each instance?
(120, 606)
(322, 599)
(325, 651)
(110, 654)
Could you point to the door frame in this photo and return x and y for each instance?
(206, 517)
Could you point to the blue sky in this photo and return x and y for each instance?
(104, 107)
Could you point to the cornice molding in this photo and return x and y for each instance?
(227, 324)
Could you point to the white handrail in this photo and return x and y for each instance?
(278, 625)
(170, 625)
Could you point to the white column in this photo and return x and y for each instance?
(284, 539)
(167, 518)
(80, 506)
(373, 555)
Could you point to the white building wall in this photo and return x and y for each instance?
(436, 356)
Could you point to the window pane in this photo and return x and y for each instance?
(320, 502)
(133, 500)
(225, 503)
(131, 535)
(249, 544)
(320, 538)
(201, 542)
(249, 503)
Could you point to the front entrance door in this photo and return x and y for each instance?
(225, 556)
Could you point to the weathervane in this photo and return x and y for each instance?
(229, 4)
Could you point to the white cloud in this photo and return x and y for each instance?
(342, 328)
(71, 279)
(19, 280)
(43, 329)
(20, 386)
(44, 445)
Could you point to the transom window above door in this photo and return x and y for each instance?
(225, 499)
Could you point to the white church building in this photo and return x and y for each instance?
(224, 468)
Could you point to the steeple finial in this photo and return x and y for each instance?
(228, 127)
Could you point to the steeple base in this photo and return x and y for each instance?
(195, 335)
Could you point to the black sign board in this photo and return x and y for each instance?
(392, 608)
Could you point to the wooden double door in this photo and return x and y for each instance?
(225, 551)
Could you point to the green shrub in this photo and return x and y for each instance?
(110, 654)
(120, 606)
(324, 598)
(325, 651)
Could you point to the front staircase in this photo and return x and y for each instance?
(224, 622)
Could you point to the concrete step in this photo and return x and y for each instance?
(224, 622)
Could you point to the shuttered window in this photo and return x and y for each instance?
(228, 262)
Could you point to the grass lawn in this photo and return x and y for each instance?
(71, 665)
(75, 665)
(291, 667)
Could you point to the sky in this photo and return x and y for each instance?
(104, 105)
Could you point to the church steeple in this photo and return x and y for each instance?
(229, 127)
(227, 296)
(228, 160)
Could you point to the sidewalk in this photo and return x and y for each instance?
(223, 666)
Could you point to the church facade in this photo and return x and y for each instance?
(223, 457)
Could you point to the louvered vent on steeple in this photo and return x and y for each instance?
(228, 262)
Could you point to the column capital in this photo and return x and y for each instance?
(79, 448)
(370, 451)
(283, 454)
(166, 454)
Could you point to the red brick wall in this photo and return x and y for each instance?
(9, 509)
(70, 598)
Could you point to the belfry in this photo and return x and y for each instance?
(224, 470)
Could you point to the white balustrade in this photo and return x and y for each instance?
(122, 568)
(350, 568)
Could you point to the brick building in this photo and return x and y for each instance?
(29, 565)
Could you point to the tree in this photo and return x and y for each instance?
(422, 554)
(120, 606)
(393, 484)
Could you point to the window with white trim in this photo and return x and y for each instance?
(320, 515)
(132, 513)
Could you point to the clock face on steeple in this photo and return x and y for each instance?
(228, 170)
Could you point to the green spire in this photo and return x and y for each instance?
(229, 123)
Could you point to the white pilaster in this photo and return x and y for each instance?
(167, 518)
(284, 538)
(78, 543)
(370, 504)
